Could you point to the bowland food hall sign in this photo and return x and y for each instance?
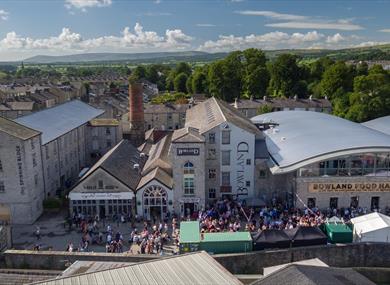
(350, 187)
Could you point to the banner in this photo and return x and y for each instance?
(350, 187)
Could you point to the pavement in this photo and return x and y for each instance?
(56, 236)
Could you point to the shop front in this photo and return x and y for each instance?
(102, 204)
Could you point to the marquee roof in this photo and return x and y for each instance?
(381, 124)
(300, 138)
(370, 222)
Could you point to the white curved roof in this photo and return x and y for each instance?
(304, 137)
(381, 124)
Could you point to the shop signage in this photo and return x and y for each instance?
(189, 200)
(188, 151)
(101, 196)
(350, 187)
(242, 153)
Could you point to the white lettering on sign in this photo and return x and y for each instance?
(101, 196)
(187, 151)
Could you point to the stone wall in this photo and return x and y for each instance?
(58, 260)
(348, 255)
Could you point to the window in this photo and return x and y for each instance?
(212, 193)
(225, 137)
(212, 173)
(100, 184)
(333, 202)
(34, 159)
(226, 157)
(2, 187)
(247, 183)
(36, 179)
(374, 203)
(1, 166)
(188, 168)
(211, 153)
(188, 186)
(311, 203)
(169, 116)
(32, 144)
(248, 161)
(225, 178)
(211, 138)
(354, 202)
(108, 143)
(108, 131)
(262, 174)
(47, 151)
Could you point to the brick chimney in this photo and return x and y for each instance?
(136, 114)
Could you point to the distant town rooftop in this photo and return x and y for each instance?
(59, 120)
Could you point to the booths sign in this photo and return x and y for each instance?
(350, 187)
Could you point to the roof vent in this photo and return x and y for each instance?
(136, 166)
(311, 97)
(275, 130)
(295, 97)
(142, 154)
(283, 139)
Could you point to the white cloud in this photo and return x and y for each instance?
(205, 25)
(317, 25)
(370, 43)
(272, 15)
(136, 40)
(272, 40)
(336, 38)
(84, 4)
(385, 30)
(4, 15)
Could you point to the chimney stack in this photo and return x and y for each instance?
(136, 114)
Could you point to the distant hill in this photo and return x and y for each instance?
(127, 57)
(380, 52)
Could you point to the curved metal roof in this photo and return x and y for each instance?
(304, 137)
(381, 124)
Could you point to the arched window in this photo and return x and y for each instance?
(188, 178)
(188, 168)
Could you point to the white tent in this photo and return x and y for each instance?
(374, 227)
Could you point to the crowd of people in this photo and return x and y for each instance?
(151, 237)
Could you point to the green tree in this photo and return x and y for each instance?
(284, 76)
(180, 82)
(189, 84)
(336, 77)
(256, 76)
(263, 109)
(199, 81)
(216, 79)
(183, 67)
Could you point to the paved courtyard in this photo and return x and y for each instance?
(56, 237)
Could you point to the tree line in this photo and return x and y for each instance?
(356, 92)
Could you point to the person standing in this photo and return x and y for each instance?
(38, 232)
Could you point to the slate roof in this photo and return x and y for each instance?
(159, 175)
(194, 268)
(187, 135)
(59, 120)
(166, 108)
(314, 275)
(119, 162)
(213, 112)
(17, 130)
(283, 103)
(158, 156)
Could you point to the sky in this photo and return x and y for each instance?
(59, 27)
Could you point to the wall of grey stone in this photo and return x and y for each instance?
(349, 255)
(57, 260)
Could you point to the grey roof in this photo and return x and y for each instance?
(24, 276)
(381, 124)
(194, 268)
(159, 175)
(187, 135)
(314, 275)
(59, 120)
(84, 266)
(119, 162)
(283, 103)
(213, 112)
(21, 106)
(304, 137)
(17, 130)
(166, 108)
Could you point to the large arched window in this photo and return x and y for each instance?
(155, 196)
(188, 178)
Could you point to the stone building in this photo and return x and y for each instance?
(109, 186)
(165, 116)
(21, 179)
